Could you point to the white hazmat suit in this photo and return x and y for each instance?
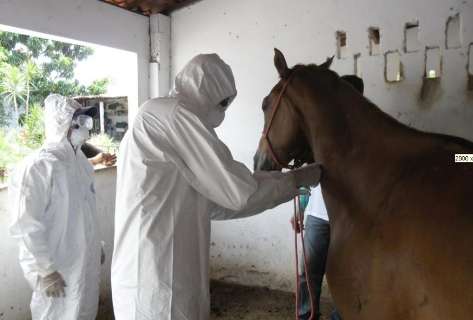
(54, 220)
(174, 176)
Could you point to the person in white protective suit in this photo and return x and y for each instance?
(54, 217)
(174, 176)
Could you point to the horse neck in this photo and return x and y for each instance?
(353, 140)
(338, 129)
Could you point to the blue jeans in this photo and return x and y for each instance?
(316, 242)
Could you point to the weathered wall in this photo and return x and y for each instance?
(87, 21)
(259, 250)
(15, 293)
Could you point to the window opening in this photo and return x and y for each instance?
(374, 41)
(411, 37)
(453, 32)
(393, 67)
(341, 44)
(433, 62)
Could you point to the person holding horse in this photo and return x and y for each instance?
(174, 176)
(316, 243)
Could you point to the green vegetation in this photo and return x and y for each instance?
(11, 151)
(30, 69)
(105, 142)
(32, 131)
(17, 143)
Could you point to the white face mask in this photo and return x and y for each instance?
(215, 118)
(79, 136)
(80, 130)
(217, 115)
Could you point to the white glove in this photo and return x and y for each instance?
(53, 285)
(307, 176)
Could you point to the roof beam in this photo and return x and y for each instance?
(148, 7)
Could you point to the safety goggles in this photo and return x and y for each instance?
(82, 121)
(226, 102)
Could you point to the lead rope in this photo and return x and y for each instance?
(299, 225)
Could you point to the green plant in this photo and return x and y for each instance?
(104, 142)
(30, 69)
(12, 85)
(32, 133)
(11, 152)
(98, 87)
(46, 66)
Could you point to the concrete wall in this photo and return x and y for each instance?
(15, 294)
(259, 250)
(86, 21)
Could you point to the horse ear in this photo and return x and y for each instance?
(356, 82)
(280, 63)
(327, 63)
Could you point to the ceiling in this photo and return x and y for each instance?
(147, 7)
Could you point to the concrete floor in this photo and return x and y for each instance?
(231, 301)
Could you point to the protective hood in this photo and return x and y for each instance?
(203, 83)
(58, 116)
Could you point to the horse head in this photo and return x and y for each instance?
(285, 136)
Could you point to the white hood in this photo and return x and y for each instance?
(58, 116)
(203, 83)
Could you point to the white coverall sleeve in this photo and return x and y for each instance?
(274, 188)
(30, 193)
(207, 164)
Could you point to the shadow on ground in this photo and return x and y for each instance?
(232, 301)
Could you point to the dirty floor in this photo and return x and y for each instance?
(231, 302)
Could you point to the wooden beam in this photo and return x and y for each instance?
(148, 7)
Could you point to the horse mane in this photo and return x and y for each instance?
(390, 120)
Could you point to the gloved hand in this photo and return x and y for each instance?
(297, 224)
(53, 285)
(104, 158)
(308, 175)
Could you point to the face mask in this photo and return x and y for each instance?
(80, 130)
(79, 136)
(215, 118)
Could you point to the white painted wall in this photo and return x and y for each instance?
(15, 294)
(88, 21)
(259, 250)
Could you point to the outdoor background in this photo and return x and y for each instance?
(30, 69)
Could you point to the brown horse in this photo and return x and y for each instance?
(401, 209)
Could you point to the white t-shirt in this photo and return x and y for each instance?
(316, 205)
